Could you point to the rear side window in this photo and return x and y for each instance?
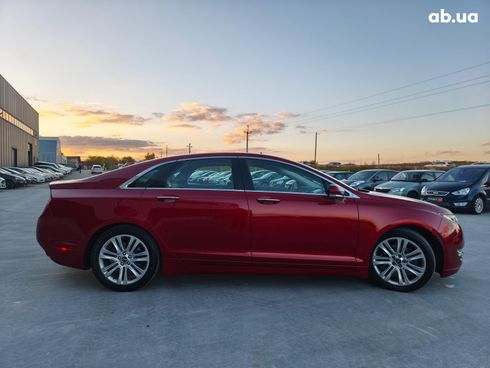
(155, 178)
(212, 173)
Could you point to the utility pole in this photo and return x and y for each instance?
(247, 133)
(189, 146)
(316, 145)
(378, 160)
(166, 150)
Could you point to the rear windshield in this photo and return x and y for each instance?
(465, 174)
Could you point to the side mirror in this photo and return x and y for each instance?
(334, 191)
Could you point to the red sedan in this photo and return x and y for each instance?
(242, 213)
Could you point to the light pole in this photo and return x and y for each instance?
(189, 146)
(247, 133)
(166, 150)
(316, 145)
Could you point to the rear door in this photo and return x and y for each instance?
(198, 215)
(292, 221)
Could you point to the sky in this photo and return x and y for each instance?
(131, 77)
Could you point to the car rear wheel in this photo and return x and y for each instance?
(402, 261)
(478, 205)
(125, 258)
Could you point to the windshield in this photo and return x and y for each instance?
(467, 174)
(413, 176)
(362, 175)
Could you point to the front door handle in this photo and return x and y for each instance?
(268, 200)
(168, 198)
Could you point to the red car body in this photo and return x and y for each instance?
(232, 231)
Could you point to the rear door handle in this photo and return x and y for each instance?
(268, 200)
(168, 198)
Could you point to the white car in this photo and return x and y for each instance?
(3, 183)
(96, 169)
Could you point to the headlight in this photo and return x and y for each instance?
(424, 190)
(464, 191)
(397, 190)
(451, 218)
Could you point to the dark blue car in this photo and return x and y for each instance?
(463, 187)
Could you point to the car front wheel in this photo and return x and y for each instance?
(125, 258)
(478, 205)
(402, 261)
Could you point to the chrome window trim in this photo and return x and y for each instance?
(126, 184)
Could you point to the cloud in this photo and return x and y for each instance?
(448, 152)
(486, 152)
(303, 129)
(193, 112)
(183, 126)
(287, 115)
(258, 124)
(106, 143)
(90, 113)
(94, 116)
(486, 144)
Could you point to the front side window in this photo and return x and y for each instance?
(271, 176)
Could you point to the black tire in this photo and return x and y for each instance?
(424, 247)
(126, 231)
(414, 195)
(478, 205)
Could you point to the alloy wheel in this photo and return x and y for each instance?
(478, 205)
(399, 261)
(124, 259)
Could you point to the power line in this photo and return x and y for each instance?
(381, 122)
(400, 88)
(397, 100)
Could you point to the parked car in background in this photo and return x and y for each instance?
(96, 169)
(13, 181)
(368, 179)
(463, 187)
(34, 177)
(334, 164)
(339, 175)
(441, 164)
(151, 218)
(3, 183)
(54, 167)
(408, 183)
(29, 178)
(52, 174)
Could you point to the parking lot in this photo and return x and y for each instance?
(56, 316)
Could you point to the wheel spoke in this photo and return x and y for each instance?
(411, 270)
(403, 246)
(133, 243)
(379, 260)
(109, 270)
(384, 249)
(405, 278)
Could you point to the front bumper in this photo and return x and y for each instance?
(453, 244)
(450, 202)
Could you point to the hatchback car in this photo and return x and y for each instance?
(154, 217)
(368, 179)
(408, 183)
(463, 187)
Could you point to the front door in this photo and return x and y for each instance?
(292, 219)
(198, 210)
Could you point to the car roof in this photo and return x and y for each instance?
(483, 166)
(422, 170)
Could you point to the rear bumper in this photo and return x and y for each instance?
(69, 253)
